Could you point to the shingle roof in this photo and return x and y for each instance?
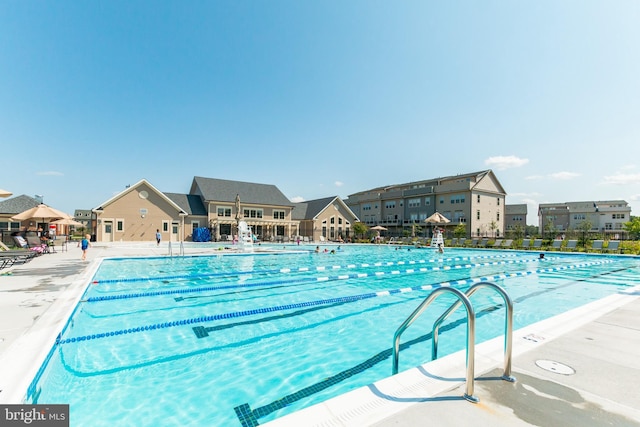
(190, 203)
(311, 208)
(225, 191)
(18, 204)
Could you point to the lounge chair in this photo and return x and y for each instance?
(11, 257)
(597, 245)
(496, 244)
(557, 245)
(22, 243)
(462, 241)
(34, 242)
(526, 243)
(483, 243)
(537, 244)
(571, 245)
(507, 243)
(454, 241)
(613, 246)
(475, 243)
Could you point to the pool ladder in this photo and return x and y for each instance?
(462, 298)
(181, 249)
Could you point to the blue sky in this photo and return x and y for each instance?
(320, 98)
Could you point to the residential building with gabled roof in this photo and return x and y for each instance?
(475, 200)
(328, 219)
(604, 216)
(136, 213)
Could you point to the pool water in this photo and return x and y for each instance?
(243, 339)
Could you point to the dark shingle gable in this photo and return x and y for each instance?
(190, 203)
(225, 191)
(18, 204)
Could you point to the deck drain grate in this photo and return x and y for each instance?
(555, 367)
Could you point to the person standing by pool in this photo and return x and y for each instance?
(158, 236)
(85, 244)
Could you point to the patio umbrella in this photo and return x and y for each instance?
(379, 228)
(68, 222)
(42, 212)
(5, 193)
(437, 218)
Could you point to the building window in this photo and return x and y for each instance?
(478, 198)
(340, 220)
(194, 225)
(224, 212)
(252, 213)
(278, 214)
(165, 226)
(498, 199)
(441, 200)
(413, 203)
(366, 207)
(119, 225)
(618, 216)
(390, 205)
(478, 214)
(427, 201)
(332, 220)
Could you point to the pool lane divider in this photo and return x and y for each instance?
(292, 270)
(302, 280)
(352, 298)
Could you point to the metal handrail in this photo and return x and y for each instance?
(471, 333)
(508, 326)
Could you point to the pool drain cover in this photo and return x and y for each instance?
(555, 367)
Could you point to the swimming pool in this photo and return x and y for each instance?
(244, 339)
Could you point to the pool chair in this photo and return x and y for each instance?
(20, 256)
(537, 244)
(526, 243)
(475, 243)
(483, 243)
(571, 245)
(507, 243)
(454, 241)
(462, 241)
(34, 241)
(22, 243)
(557, 245)
(613, 246)
(597, 245)
(496, 244)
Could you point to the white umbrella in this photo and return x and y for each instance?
(437, 218)
(68, 221)
(5, 193)
(379, 228)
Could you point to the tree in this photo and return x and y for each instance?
(460, 231)
(493, 227)
(633, 227)
(550, 230)
(359, 229)
(584, 227)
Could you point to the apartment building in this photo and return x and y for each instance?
(475, 200)
(605, 216)
(515, 216)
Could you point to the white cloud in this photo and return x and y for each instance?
(297, 199)
(50, 173)
(623, 179)
(339, 183)
(505, 162)
(564, 175)
(533, 177)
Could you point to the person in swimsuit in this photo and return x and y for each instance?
(85, 244)
(158, 236)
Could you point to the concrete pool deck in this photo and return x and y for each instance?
(581, 368)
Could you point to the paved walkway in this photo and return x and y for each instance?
(580, 369)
